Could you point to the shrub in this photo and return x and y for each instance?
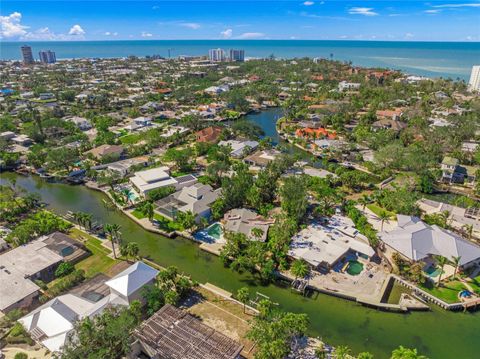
(63, 269)
(20, 356)
(63, 284)
(17, 330)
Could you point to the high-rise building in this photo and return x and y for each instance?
(237, 55)
(47, 57)
(216, 55)
(27, 55)
(474, 83)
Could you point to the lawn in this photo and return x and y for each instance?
(98, 261)
(163, 223)
(375, 208)
(130, 139)
(448, 292)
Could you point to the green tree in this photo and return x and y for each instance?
(383, 216)
(300, 268)
(406, 353)
(456, 263)
(441, 261)
(293, 195)
(365, 355)
(342, 352)
(105, 336)
(148, 210)
(63, 269)
(243, 295)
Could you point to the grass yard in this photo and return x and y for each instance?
(130, 139)
(98, 261)
(163, 223)
(448, 292)
(375, 208)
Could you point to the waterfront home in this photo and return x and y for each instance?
(126, 286)
(315, 133)
(262, 158)
(453, 172)
(459, 217)
(196, 198)
(20, 267)
(239, 148)
(330, 245)
(415, 240)
(147, 180)
(52, 323)
(209, 134)
(124, 167)
(246, 221)
(106, 151)
(174, 333)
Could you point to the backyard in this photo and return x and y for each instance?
(162, 222)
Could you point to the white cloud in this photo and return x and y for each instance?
(293, 38)
(308, 3)
(409, 35)
(227, 34)
(10, 25)
(108, 33)
(251, 36)
(191, 25)
(76, 30)
(457, 5)
(146, 34)
(366, 11)
(434, 11)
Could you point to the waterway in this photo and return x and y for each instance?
(438, 334)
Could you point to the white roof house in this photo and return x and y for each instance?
(321, 245)
(127, 284)
(51, 323)
(153, 178)
(417, 240)
(239, 148)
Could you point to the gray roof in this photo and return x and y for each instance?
(243, 220)
(417, 240)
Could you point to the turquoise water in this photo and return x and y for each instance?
(434, 59)
(215, 231)
(433, 272)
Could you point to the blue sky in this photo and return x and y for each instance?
(304, 20)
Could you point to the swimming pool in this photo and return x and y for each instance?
(354, 268)
(433, 271)
(211, 234)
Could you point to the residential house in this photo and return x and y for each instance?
(239, 148)
(329, 246)
(242, 220)
(262, 158)
(389, 124)
(209, 134)
(175, 334)
(417, 241)
(344, 85)
(453, 172)
(389, 114)
(196, 199)
(106, 151)
(145, 181)
(82, 123)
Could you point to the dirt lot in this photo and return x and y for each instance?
(221, 314)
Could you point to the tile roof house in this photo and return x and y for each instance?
(209, 134)
(242, 220)
(175, 334)
(416, 241)
(106, 150)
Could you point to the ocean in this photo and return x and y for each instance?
(433, 59)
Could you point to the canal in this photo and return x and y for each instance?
(438, 334)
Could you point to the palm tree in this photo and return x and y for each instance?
(116, 232)
(127, 193)
(456, 262)
(383, 217)
(88, 219)
(148, 210)
(468, 228)
(109, 231)
(445, 215)
(441, 261)
(364, 200)
(300, 268)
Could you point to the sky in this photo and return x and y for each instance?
(407, 20)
